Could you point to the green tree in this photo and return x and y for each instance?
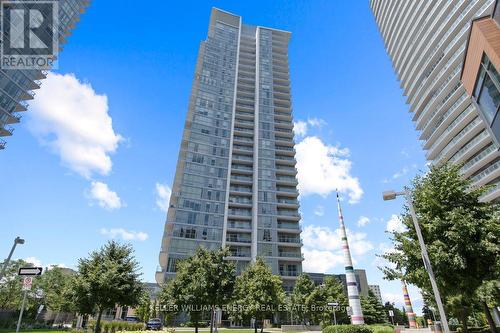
(168, 300)
(427, 312)
(56, 285)
(489, 297)
(373, 311)
(11, 294)
(108, 277)
(331, 291)
(143, 310)
(10, 285)
(462, 236)
(399, 318)
(304, 286)
(204, 280)
(258, 293)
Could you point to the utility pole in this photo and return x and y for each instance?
(22, 310)
(390, 195)
(17, 240)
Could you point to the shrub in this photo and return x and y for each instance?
(348, 329)
(382, 328)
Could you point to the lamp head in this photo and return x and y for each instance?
(389, 195)
(19, 240)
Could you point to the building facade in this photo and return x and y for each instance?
(427, 43)
(235, 183)
(359, 274)
(17, 86)
(480, 72)
(375, 289)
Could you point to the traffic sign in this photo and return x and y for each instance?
(30, 271)
(391, 313)
(27, 282)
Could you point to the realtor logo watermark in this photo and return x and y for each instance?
(29, 34)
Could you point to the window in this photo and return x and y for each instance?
(487, 93)
(267, 235)
(190, 233)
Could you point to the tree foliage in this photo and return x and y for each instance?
(204, 280)
(258, 293)
(331, 291)
(462, 236)
(373, 311)
(11, 294)
(108, 277)
(56, 284)
(304, 286)
(143, 310)
(399, 317)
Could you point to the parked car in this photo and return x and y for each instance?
(132, 319)
(154, 324)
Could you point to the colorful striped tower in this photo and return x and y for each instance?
(352, 286)
(408, 308)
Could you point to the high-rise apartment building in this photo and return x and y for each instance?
(17, 85)
(427, 42)
(359, 275)
(235, 183)
(375, 289)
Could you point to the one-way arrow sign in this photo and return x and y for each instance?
(30, 271)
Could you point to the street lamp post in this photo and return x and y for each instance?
(391, 195)
(17, 240)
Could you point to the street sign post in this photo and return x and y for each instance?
(334, 305)
(30, 271)
(27, 282)
(391, 314)
(26, 273)
(22, 309)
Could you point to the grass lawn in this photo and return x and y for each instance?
(32, 331)
(177, 329)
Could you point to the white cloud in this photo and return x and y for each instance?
(105, 197)
(395, 298)
(363, 220)
(71, 119)
(317, 261)
(398, 174)
(319, 210)
(316, 122)
(401, 173)
(163, 193)
(300, 128)
(34, 261)
(395, 224)
(124, 234)
(323, 168)
(323, 247)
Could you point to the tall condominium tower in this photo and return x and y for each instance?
(235, 181)
(17, 85)
(427, 42)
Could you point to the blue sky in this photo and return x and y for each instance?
(125, 77)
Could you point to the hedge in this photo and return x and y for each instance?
(115, 326)
(382, 328)
(348, 329)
